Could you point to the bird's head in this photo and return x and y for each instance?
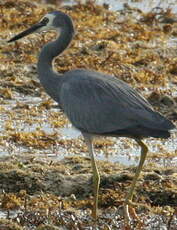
(51, 21)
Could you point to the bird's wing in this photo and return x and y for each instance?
(99, 105)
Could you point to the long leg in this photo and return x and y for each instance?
(96, 176)
(128, 199)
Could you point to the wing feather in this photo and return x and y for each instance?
(98, 103)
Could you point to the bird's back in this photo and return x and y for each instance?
(102, 104)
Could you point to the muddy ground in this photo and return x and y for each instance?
(42, 192)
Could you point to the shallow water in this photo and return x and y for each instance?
(3, 214)
(124, 150)
(143, 5)
(127, 155)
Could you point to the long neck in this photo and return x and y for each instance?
(51, 80)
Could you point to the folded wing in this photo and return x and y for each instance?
(97, 103)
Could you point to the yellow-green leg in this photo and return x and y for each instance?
(96, 176)
(128, 200)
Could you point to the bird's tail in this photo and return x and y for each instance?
(158, 127)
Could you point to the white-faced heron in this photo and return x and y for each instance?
(97, 104)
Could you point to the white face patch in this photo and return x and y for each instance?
(49, 25)
(50, 17)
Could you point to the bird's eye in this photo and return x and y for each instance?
(45, 20)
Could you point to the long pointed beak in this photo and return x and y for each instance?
(31, 30)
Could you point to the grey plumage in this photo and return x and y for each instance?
(109, 106)
(96, 103)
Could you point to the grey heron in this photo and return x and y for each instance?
(96, 104)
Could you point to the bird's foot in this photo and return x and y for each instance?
(94, 216)
(130, 214)
(94, 213)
